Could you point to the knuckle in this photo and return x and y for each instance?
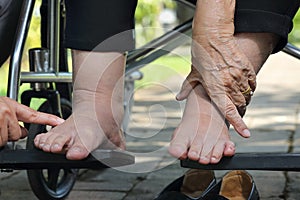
(14, 137)
(34, 115)
(230, 112)
(5, 110)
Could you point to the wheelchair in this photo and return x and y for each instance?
(51, 176)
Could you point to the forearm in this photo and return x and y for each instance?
(213, 46)
(213, 18)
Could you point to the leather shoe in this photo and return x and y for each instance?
(235, 185)
(194, 184)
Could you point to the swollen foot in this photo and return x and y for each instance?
(97, 108)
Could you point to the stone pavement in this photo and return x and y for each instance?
(273, 117)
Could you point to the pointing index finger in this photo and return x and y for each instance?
(28, 115)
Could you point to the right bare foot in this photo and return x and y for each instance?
(97, 108)
(202, 134)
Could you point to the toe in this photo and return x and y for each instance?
(48, 141)
(195, 150)
(77, 152)
(179, 144)
(39, 140)
(217, 152)
(205, 159)
(59, 142)
(178, 150)
(229, 148)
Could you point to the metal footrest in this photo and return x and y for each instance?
(36, 159)
(252, 161)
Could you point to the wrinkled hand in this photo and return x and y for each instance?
(193, 79)
(11, 112)
(223, 70)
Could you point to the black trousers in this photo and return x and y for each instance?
(100, 25)
(271, 16)
(91, 22)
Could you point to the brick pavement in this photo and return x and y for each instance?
(273, 118)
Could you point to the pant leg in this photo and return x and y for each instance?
(100, 25)
(9, 15)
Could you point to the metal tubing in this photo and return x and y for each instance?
(170, 40)
(190, 4)
(44, 77)
(292, 50)
(164, 39)
(53, 31)
(16, 56)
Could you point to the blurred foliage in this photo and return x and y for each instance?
(33, 40)
(146, 18)
(294, 36)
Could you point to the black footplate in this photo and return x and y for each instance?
(36, 159)
(252, 161)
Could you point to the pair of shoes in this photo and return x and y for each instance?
(202, 185)
(235, 185)
(194, 184)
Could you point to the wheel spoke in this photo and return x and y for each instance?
(53, 175)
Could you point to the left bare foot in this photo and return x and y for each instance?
(202, 134)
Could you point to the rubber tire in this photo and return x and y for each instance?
(60, 181)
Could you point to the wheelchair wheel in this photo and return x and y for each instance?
(50, 184)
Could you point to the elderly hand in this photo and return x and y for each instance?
(11, 112)
(221, 67)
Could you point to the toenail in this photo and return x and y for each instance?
(214, 159)
(203, 158)
(46, 146)
(77, 149)
(41, 144)
(193, 154)
(56, 147)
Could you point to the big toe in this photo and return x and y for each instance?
(77, 153)
(178, 150)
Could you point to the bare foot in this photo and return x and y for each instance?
(202, 134)
(97, 108)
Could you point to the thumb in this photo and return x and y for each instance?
(186, 88)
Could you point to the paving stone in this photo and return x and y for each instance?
(81, 195)
(15, 185)
(263, 141)
(293, 183)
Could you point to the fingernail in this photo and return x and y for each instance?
(177, 97)
(246, 133)
(59, 120)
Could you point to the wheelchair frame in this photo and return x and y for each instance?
(33, 159)
(135, 60)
